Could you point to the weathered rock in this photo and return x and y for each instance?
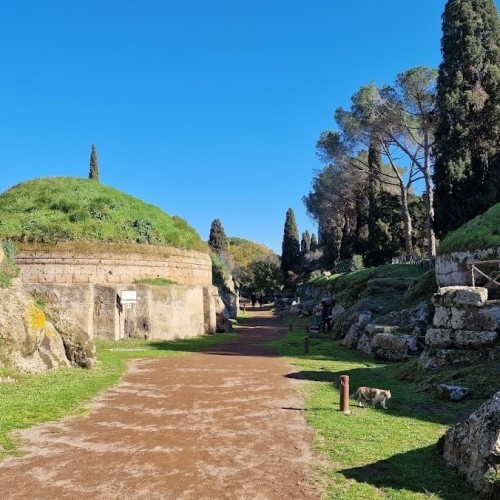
(365, 346)
(412, 321)
(78, 344)
(364, 318)
(460, 296)
(394, 347)
(445, 338)
(467, 318)
(452, 392)
(454, 269)
(373, 329)
(29, 342)
(472, 448)
(442, 317)
(353, 335)
(436, 359)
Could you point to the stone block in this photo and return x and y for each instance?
(353, 335)
(473, 318)
(452, 392)
(437, 359)
(442, 317)
(394, 347)
(467, 339)
(460, 296)
(472, 447)
(364, 345)
(439, 338)
(372, 329)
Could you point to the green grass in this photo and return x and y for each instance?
(155, 281)
(391, 286)
(373, 453)
(49, 210)
(8, 267)
(480, 233)
(35, 399)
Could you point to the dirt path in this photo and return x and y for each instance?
(220, 424)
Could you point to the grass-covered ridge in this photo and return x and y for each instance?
(412, 283)
(480, 233)
(49, 210)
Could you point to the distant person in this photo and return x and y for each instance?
(318, 311)
(260, 300)
(253, 299)
(325, 311)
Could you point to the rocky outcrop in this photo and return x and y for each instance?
(472, 448)
(31, 343)
(465, 330)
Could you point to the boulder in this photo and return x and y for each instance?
(353, 335)
(78, 343)
(364, 345)
(394, 347)
(472, 448)
(29, 342)
(412, 321)
(452, 392)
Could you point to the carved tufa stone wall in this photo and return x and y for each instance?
(465, 330)
(454, 269)
(87, 283)
(113, 264)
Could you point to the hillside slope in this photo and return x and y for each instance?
(480, 233)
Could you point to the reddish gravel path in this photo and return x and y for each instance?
(219, 424)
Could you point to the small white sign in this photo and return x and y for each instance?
(128, 297)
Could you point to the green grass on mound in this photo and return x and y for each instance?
(56, 209)
(400, 284)
(480, 233)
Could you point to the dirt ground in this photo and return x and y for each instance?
(225, 423)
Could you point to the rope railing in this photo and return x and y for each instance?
(495, 274)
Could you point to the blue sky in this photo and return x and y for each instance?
(207, 109)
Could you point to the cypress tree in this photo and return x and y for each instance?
(290, 255)
(305, 244)
(94, 165)
(467, 166)
(217, 240)
(314, 243)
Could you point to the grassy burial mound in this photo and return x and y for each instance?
(50, 210)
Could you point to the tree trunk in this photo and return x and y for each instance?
(407, 222)
(431, 237)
